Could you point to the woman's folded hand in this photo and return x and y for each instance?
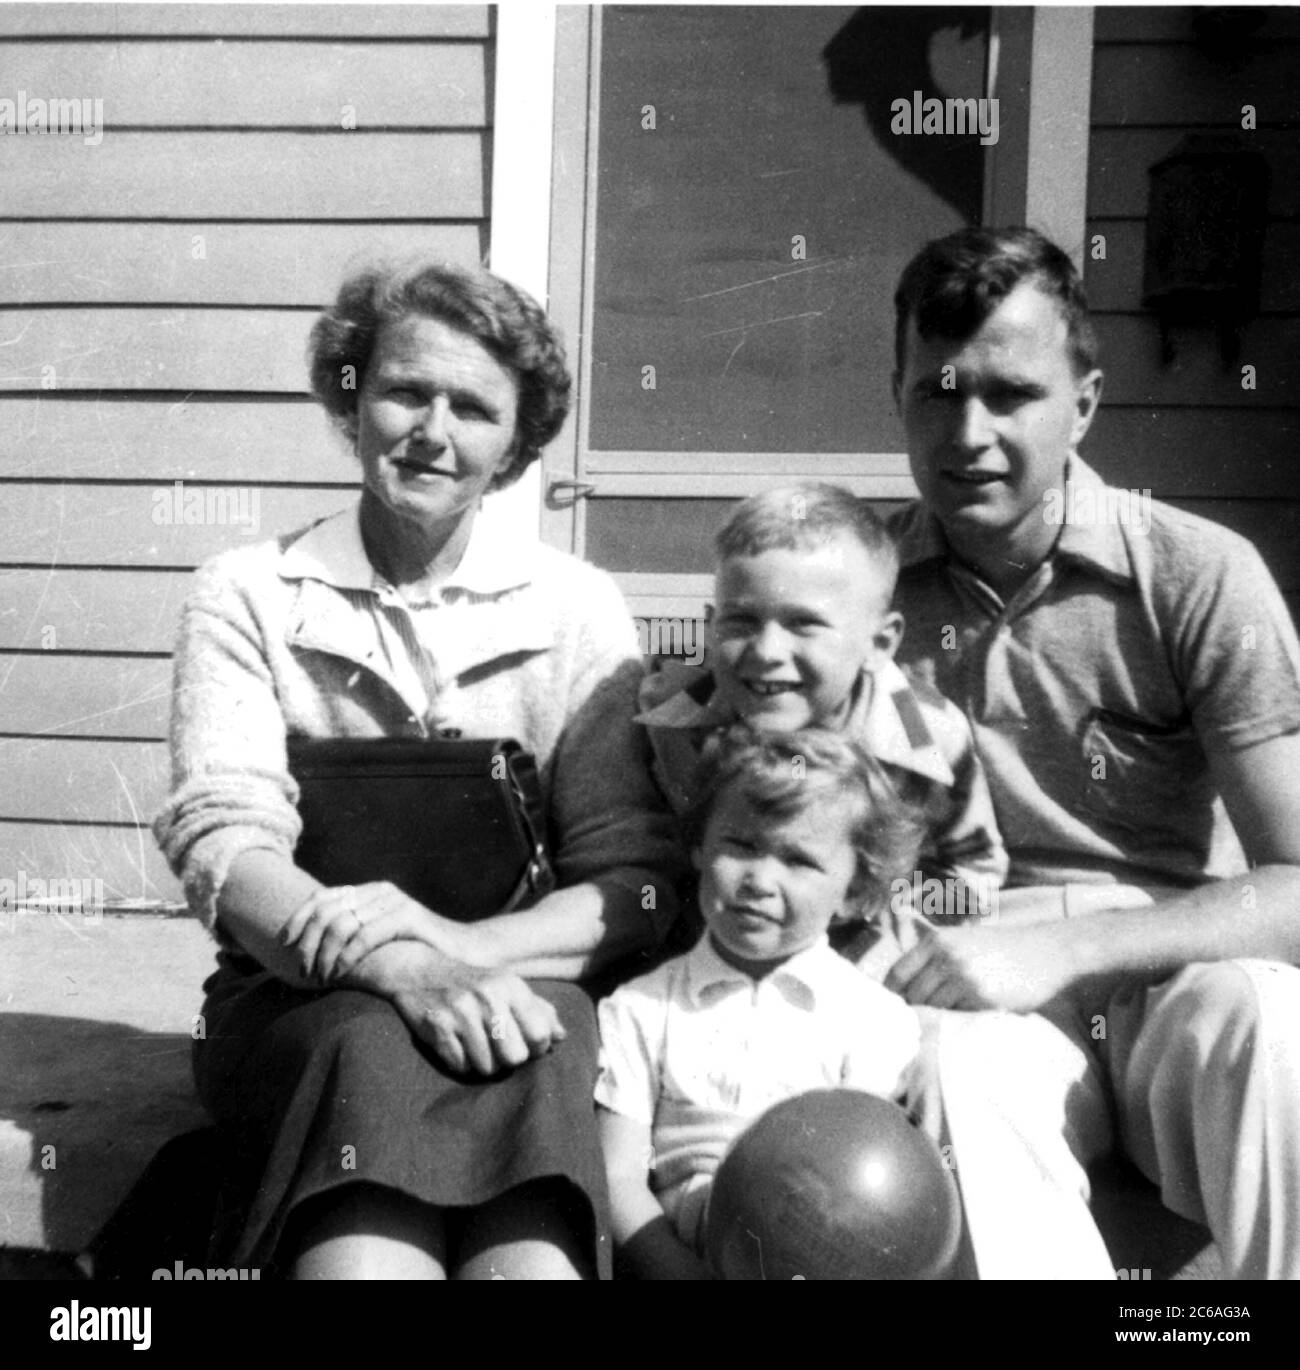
(339, 926)
(477, 1020)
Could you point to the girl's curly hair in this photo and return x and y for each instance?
(785, 774)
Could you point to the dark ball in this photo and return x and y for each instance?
(835, 1184)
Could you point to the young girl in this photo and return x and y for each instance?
(795, 832)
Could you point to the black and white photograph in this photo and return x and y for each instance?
(650, 641)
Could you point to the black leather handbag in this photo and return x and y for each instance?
(457, 825)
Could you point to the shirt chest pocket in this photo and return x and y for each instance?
(1145, 778)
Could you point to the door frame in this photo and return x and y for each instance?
(1040, 69)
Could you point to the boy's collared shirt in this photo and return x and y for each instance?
(697, 1048)
(918, 736)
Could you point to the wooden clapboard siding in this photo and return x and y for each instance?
(155, 349)
(82, 780)
(231, 175)
(241, 84)
(1118, 159)
(124, 856)
(1173, 24)
(1186, 429)
(1163, 84)
(134, 525)
(270, 440)
(168, 272)
(72, 609)
(1117, 286)
(1135, 373)
(80, 696)
(147, 262)
(1247, 454)
(115, 21)
(74, 784)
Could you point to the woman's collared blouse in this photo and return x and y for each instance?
(301, 637)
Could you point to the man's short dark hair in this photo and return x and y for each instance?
(953, 284)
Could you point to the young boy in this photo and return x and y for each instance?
(803, 634)
(791, 833)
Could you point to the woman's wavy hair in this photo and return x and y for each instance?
(783, 775)
(504, 319)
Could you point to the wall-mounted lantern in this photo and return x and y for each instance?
(1205, 236)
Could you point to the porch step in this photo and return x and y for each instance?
(96, 1020)
(96, 1016)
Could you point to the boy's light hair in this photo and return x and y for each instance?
(784, 774)
(808, 514)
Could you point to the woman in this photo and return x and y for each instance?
(370, 1127)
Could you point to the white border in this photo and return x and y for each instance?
(520, 215)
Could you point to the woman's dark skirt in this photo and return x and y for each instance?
(315, 1090)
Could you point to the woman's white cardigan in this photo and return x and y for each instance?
(300, 637)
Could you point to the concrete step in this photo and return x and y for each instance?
(97, 1013)
(96, 1020)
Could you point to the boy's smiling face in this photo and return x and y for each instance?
(770, 886)
(795, 628)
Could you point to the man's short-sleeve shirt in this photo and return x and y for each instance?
(1149, 639)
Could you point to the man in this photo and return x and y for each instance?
(1132, 678)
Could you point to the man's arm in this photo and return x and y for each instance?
(1254, 915)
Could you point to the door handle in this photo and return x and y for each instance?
(564, 494)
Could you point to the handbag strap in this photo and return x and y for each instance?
(538, 877)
